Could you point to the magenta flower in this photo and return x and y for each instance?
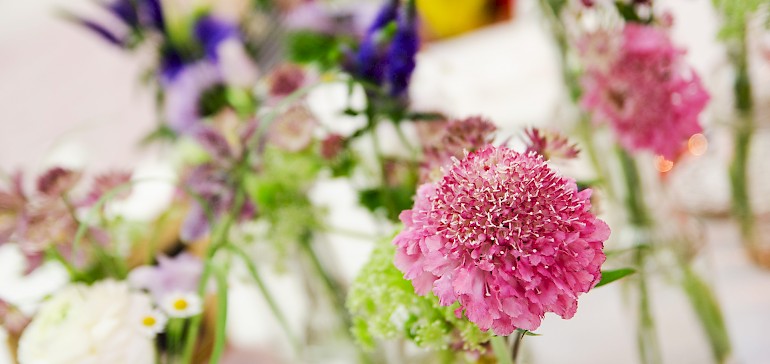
(650, 97)
(456, 137)
(506, 237)
(172, 275)
(550, 144)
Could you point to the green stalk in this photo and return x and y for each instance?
(743, 135)
(647, 340)
(517, 340)
(706, 306)
(221, 324)
(501, 350)
(267, 296)
(219, 240)
(328, 281)
(335, 291)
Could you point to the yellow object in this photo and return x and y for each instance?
(445, 18)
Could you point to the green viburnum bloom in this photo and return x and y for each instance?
(384, 306)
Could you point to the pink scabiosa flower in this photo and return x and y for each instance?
(506, 237)
(457, 137)
(285, 79)
(650, 97)
(550, 144)
(108, 182)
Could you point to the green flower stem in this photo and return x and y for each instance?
(390, 204)
(647, 340)
(571, 78)
(517, 340)
(743, 134)
(219, 240)
(221, 324)
(331, 285)
(53, 253)
(252, 268)
(335, 292)
(501, 350)
(634, 199)
(174, 330)
(707, 308)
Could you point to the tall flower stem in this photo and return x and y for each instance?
(334, 290)
(743, 135)
(506, 348)
(639, 219)
(501, 350)
(219, 239)
(267, 296)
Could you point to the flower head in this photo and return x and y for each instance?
(387, 56)
(153, 323)
(56, 181)
(178, 274)
(457, 137)
(648, 95)
(285, 79)
(293, 130)
(506, 237)
(101, 323)
(550, 144)
(107, 182)
(182, 304)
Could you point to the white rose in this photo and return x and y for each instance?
(90, 325)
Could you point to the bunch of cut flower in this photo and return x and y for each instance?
(491, 239)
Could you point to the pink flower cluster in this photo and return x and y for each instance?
(456, 137)
(650, 97)
(505, 236)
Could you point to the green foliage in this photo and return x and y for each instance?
(279, 191)
(609, 276)
(393, 198)
(734, 13)
(706, 306)
(309, 47)
(384, 306)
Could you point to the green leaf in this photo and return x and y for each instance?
(706, 306)
(609, 276)
(308, 47)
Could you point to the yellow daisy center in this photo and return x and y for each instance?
(149, 321)
(180, 304)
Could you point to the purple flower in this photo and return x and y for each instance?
(184, 92)
(401, 55)
(178, 274)
(389, 61)
(370, 58)
(135, 14)
(211, 32)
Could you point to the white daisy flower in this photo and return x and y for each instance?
(182, 304)
(153, 323)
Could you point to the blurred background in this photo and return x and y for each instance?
(67, 98)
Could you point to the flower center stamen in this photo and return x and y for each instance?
(180, 304)
(149, 321)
